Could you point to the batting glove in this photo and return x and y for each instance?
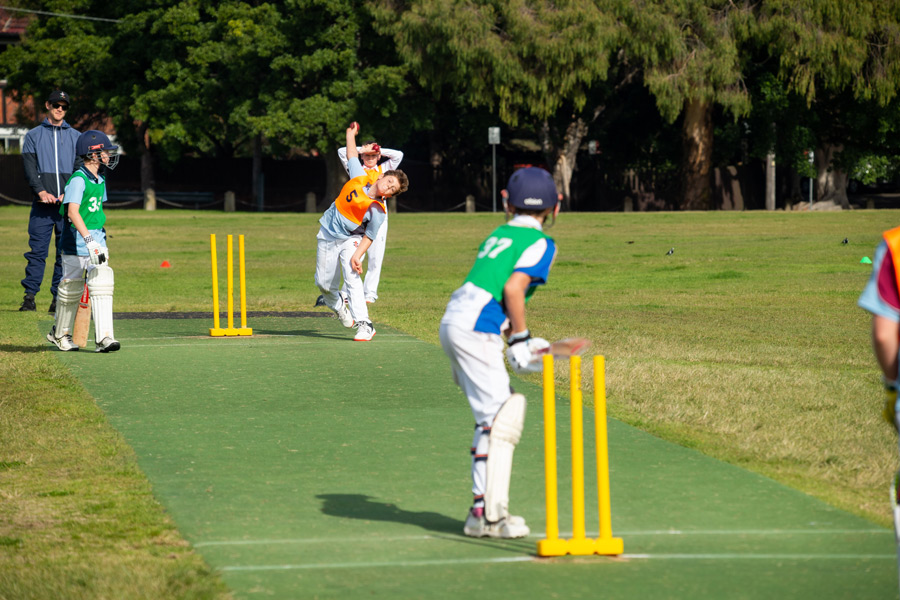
(525, 353)
(890, 403)
(95, 251)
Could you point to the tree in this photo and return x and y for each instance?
(525, 60)
(259, 78)
(839, 56)
(696, 55)
(222, 79)
(339, 70)
(49, 56)
(690, 54)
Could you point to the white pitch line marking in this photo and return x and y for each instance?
(367, 565)
(357, 540)
(516, 559)
(354, 540)
(244, 340)
(735, 556)
(756, 532)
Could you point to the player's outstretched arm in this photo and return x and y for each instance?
(514, 301)
(524, 352)
(356, 259)
(352, 132)
(886, 344)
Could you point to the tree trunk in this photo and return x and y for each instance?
(831, 183)
(563, 158)
(697, 137)
(770, 174)
(335, 176)
(796, 193)
(148, 183)
(256, 189)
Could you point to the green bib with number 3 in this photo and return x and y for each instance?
(91, 207)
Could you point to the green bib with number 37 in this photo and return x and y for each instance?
(91, 208)
(498, 255)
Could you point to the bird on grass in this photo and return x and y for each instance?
(670, 252)
(845, 241)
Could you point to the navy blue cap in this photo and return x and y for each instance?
(58, 96)
(532, 188)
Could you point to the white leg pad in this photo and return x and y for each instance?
(895, 507)
(506, 432)
(100, 283)
(67, 297)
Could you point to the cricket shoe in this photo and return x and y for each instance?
(107, 344)
(365, 332)
(28, 303)
(64, 343)
(320, 301)
(506, 528)
(343, 313)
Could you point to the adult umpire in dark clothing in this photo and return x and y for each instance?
(49, 156)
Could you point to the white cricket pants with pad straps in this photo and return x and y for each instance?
(333, 263)
(101, 286)
(71, 286)
(480, 370)
(375, 255)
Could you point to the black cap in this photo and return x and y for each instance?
(532, 188)
(58, 96)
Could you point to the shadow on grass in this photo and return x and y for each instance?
(13, 348)
(361, 506)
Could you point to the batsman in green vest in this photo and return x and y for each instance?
(84, 251)
(488, 309)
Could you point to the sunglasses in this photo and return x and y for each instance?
(64, 107)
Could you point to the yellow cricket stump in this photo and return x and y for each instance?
(216, 330)
(579, 545)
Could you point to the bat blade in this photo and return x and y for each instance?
(569, 346)
(82, 320)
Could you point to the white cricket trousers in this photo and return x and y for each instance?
(333, 264)
(478, 366)
(375, 255)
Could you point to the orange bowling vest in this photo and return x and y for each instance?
(353, 202)
(892, 238)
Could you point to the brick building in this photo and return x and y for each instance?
(12, 26)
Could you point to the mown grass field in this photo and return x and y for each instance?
(745, 344)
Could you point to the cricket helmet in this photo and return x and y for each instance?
(532, 188)
(93, 142)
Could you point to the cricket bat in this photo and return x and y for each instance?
(82, 320)
(568, 347)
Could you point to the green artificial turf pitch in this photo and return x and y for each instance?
(303, 465)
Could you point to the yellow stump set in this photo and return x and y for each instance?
(579, 545)
(216, 330)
